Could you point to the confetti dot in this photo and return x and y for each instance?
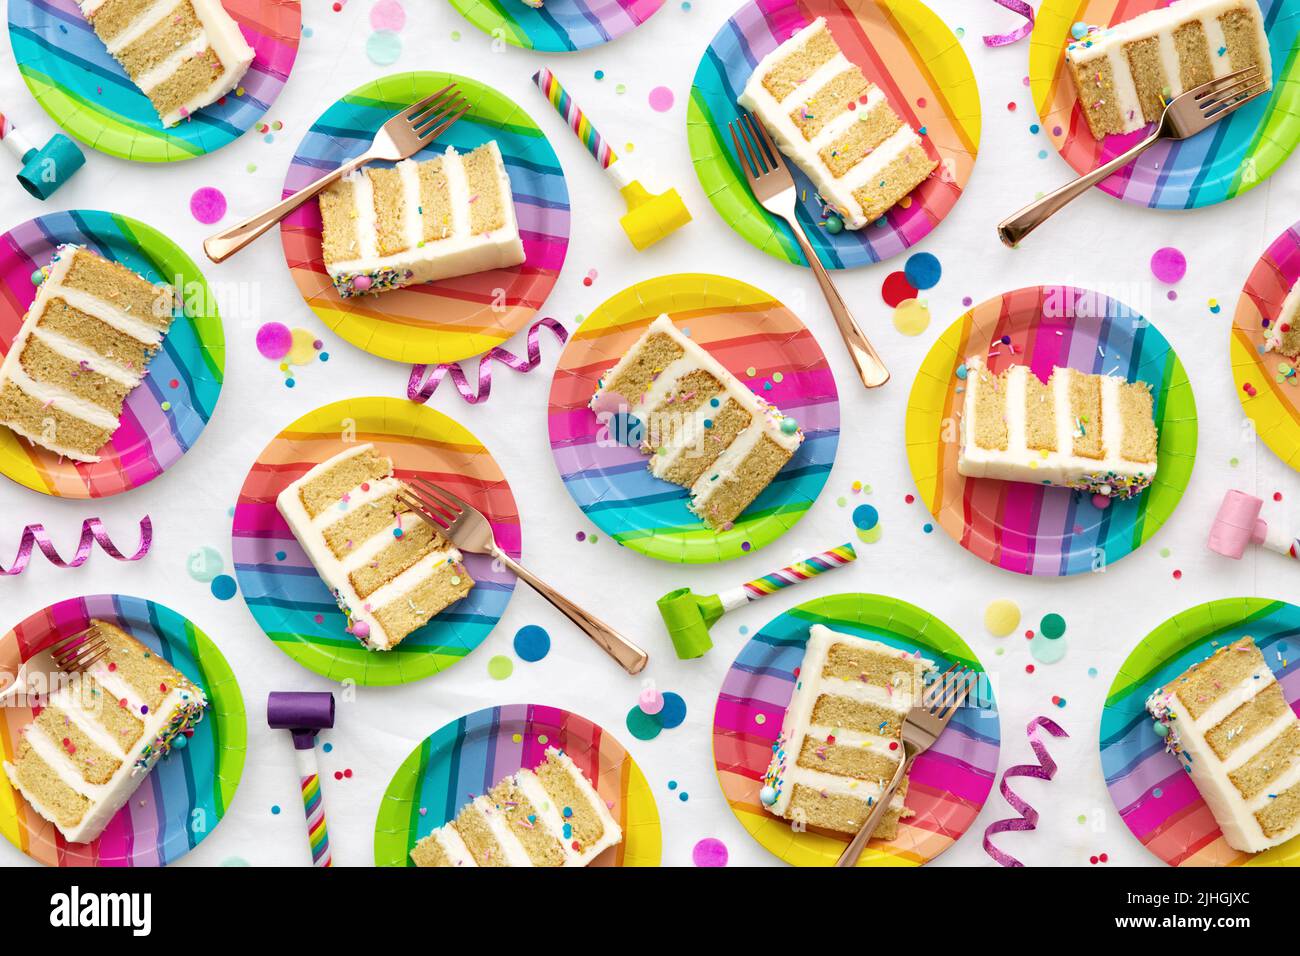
(896, 289)
(1052, 626)
(274, 340)
(1001, 617)
(1168, 265)
(275, 809)
(204, 564)
(532, 643)
(674, 711)
(661, 99)
(1045, 650)
(709, 852)
(387, 15)
(650, 701)
(912, 317)
(500, 667)
(208, 205)
(302, 348)
(383, 47)
(641, 725)
(865, 517)
(923, 270)
(223, 587)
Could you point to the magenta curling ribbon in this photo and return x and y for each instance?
(421, 389)
(92, 532)
(1020, 32)
(1045, 769)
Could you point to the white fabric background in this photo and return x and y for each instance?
(1098, 243)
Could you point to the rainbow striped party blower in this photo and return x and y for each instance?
(304, 715)
(650, 216)
(688, 616)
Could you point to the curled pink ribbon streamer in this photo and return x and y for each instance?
(421, 389)
(1020, 32)
(92, 532)
(1045, 769)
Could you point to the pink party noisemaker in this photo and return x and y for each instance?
(1238, 524)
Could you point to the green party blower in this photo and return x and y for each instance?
(650, 216)
(688, 616)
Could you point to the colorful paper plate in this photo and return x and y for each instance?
(763, 344)
(188, 791)
(1034, 529)
(454, 318)
(163, 417)
(1224, 161)
(948, 783)
(467, 757)
(287, 596)
(904, 48)
(1270, 396)
(1152, 792)
(71, 74)
(560, 25)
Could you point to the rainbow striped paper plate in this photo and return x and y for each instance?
(759, 341)
(559, 25)
(905, 49)
(1270, 396)
(73, 76)
(164, 416)
(1152, 792)
(1224, 161)
(1036, 529)
(948, 784)
(280, 585)
(187, 792)
(455, 318)
(467, 757)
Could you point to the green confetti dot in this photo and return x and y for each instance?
(1052, 626)
(643, 726)
(500, 667)
(620, 89)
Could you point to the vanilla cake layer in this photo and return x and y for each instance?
(97, 737)
(417, 222)
(1092, 433)
(389, 570)
(841, 739)
(182, 54)
(1125, 74)
(1228, 721)
(703, 429)
(83, 347)
(549, 816)
(1283, 333)
(826, 116)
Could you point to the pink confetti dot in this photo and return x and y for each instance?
(710, 852)
(661, 99)
(651, 701)
(274, 340)
(388, 15)
(1168, 265)
(208, 205)
(1101, 502)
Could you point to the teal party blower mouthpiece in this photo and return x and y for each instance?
(688, 616)
(46, 169)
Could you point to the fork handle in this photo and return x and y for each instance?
(630, 657)
(1015, 227)
(870, 368)
(854, 850)
(226, 243)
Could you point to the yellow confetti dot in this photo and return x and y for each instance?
(517, 738)
(303, 349)
(778, 377)
(912, 317)
(751, 371)
(870, 535)
(1002, 617)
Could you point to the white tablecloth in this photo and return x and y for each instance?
(1100, 243)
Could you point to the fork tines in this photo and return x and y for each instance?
(950, 691)
(435, 504)
(757, 154)
(431, 116)
(1230, 91)
(80, 651)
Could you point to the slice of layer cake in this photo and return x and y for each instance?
(823, 113)
(99, 734)
(548, 816)
(1239, 739)
(1092, 433)
(1282, 334)
(384, 229)
(389, 570)
(182, 54)
(1125, 74)
(84, 345)
(702, 428)
(841, 739)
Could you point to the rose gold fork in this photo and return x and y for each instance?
(773, 186)
(71, 655)
(921, 728)
(1185, 115)
(401, 137)
(471, 531)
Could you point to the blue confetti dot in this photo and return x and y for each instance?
(223, 587)
(532, 643)
(275, 810)
(865, 517)
(922, 270)
(674, 711)
(327, 747)
(927, 528)
(324, 356)
(683, 796)
(672, 784)
(280, 555)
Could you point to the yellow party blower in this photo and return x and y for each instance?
(650, 216)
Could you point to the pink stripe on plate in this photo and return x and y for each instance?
(763, 688)
(739, 718)
(1147, 813)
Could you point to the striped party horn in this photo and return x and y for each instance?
(304, 715)
(689, 616)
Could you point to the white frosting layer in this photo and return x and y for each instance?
(1061, 467)
(1109, 44)
(334, 571)
(1234, 813)
(458, 253)
(775, 117)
